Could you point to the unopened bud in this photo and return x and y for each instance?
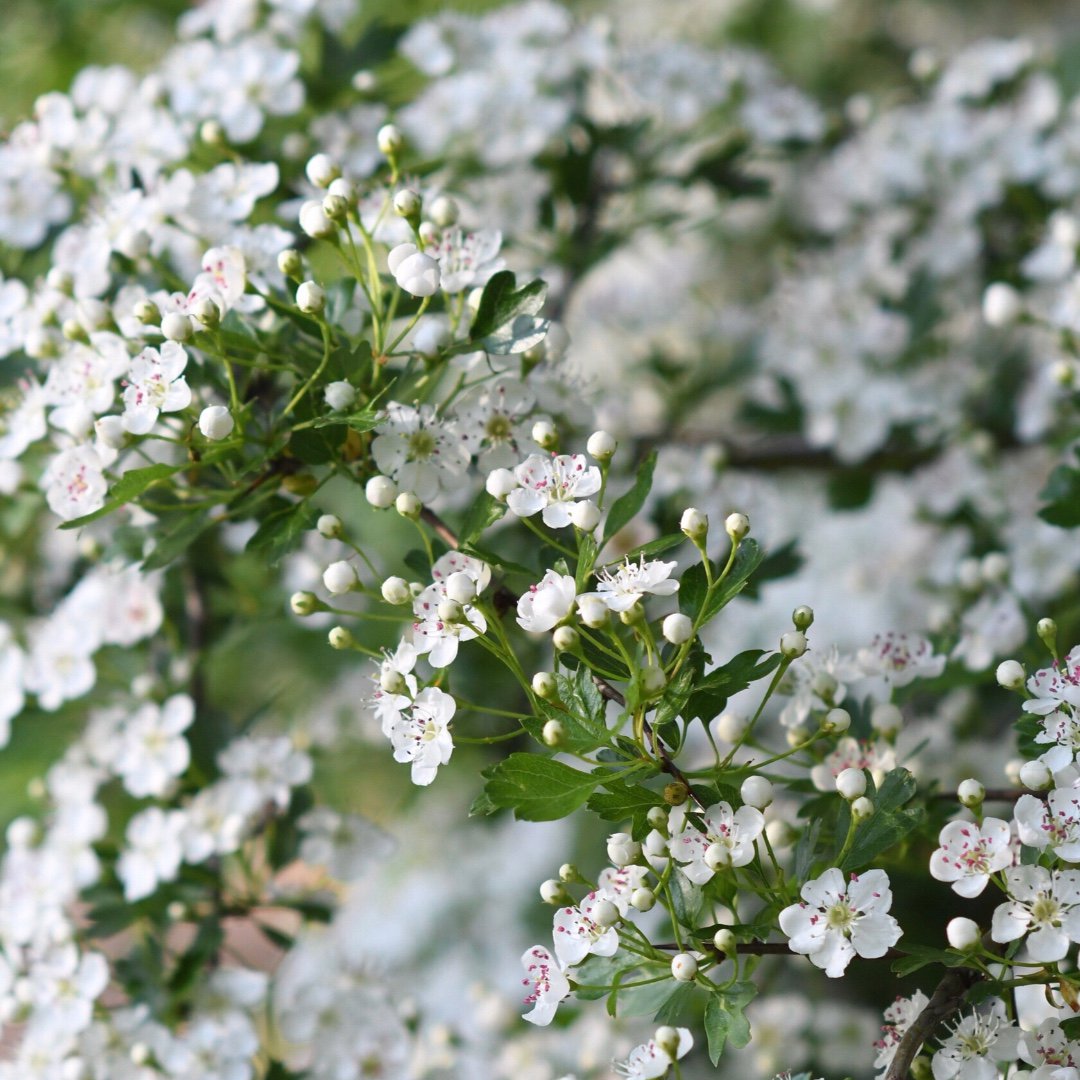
(500, 483)
(1001, 305)
(793, 644)
(851, 783)
(407, 204)
(737, 526)
(340, 577)
(392, 682)
(329, 525)
(622, 849)
(643, 899)
(724, 942)
(963, 933)
(341, 637)
(971, 793)
(684, 967)
(667, 1039)
(1036, 776)
(652, 680)
(443, 211)
(545, 435)
(177, 327)
(728, 727)
(450, 611)
(886, 718)
(756, 791)
(148, 313)
(803, 617)
(216, 422)
(677, 628)
(290, 263)
(604, 913)
(310, 298)
(395, 590)
(565, 639)
(676, 793)
(544, 685)
(836, 721)
(304, 603)
(553, 733)
(862, 808)
(601, 445)
(380, 492)
(553, 892)
(569, 873)
(584, 515)
(314, 222)
(657, 817)
(389, 140)
(694, 523)
(593, 611)
(1047, 630)
(1010, 675)
(322, 170)
(408, 505)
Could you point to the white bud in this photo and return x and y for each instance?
(380, 492)
(500, 483)
(643, 899)
(216, 422)
(177, 327)
(340, 395)
(969, 574)
(552, 892)
(407, 203)
(756, 791)
(304, 603)
(389, 140)
(207, 312)
(652, 679)
(314, 222)
(428, 232)
(622, 849)
(336, 207)
(450, 611)
(796, 736)
(22, 833)
(418, 274)
(605, 913)
(728, 727)
(862, 808)
(836, 721)
(339, 577)
(147, 312)
(677, 628)
(886, 718)
(461, 587)
(310, 298)
(971, 793)
(110, 430)
(392, 682)
(683, 967)
(1001, 305)
(667, 1039)
(139, 1053)
(724, 942)
(544, 685)
(717, 856)
(963, 933)
(657, 817)
(565, 638)
(569, 872)
(851, 783)
(444, 211)
(793, 644)
(553, 733)
(1035, 775)
(290, 263)
(601, 445)
(737, 526)
(340, 637)
(694, 523)
(408, 505)
(545, 435)
(395, 590)
(1010, 675)
(584, 515)
(593, 611)
(995, 567)
(322, 170)
(60, 280)
(329, 525)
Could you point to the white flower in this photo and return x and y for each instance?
(423, 737)
(837, 921)
(550, 485)
(978, 1041)
(466, 259)
(879, 757)
(153, 851)
(216, 422)
(896, 659)
(155, 385)
(899, 1016)
(1043, 905)
(58, 664)
(269, 766)
(422, 454)
(548, 985)
(622, 589)
(1055, 686)
(74, 482)
(545, 604)
(970, 853)
(728, 840)
(618, 883)
(1054, 823)
(496, 424)
(649, 1061)
(1049, 1049)
(64, 986)
(576, 934)
(416, 273)
(154, 751)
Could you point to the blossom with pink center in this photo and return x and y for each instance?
(551, 485)
(617, 884)
(1054, 824)
(621, 590)
(839, 920)
(970, 853)
(1044, 906)
(437, 638)
(896, 659)
(155, 385)
(899, 1016)
(547, 985)
(649, 1061)
(728, 840)
(1049, 1048)
(977, 1043)
(878, 757)
(496, 424)
(1052, 687)
(454, 562)
(423, 736)
(544, 605)
(421, 453)
(1060, 729)
(466, 259)
(577, 934)
(74, 482)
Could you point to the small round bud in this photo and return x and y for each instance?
(335, 207)
(408, 505)
(314, 222)
(667, 1039)
(605, 913)
(593, 611)
(737, 526)
(652, 680)
(684, 967)
(110, 430)
(724, 942)
(851, 783)
(322, 169)
(310, 298)
(803, 617)
(676, 793)
(994, 567)
(633, 615)
(207, 312)
(290, 263)
(584, 515)
(450, 611)
(601, 445)
(657, 817)
(1010, 675)
(73, 330)
(824, 685)
(461, 587)
(389, 140)
(329, 525)
(756, 791)
(407, 204)
(836, 721)
(176, 910)
(545, 435)
(340, 395)
(694, 523)
(552, 892)
(177, 327)
(60, 280)
(216, 422)
(969, 575)
(395, 590)
(862, 808)
(500, 483)
(340, 637)
(393, 682)
(796, 736)
(963, 933)
(380, 492)
(971, 793)
(339, 577)
(544, 685)
(793, 644)
(677, 628)
(568, 872)
(622, 849)
(565, 638)
(728, 727)
(428, 232)
(553, 733)
(1001, 305)
(302, 484)
(717, 856)
(886, 718)
(140, 1052)
(147, 312)
(1035, 776)
(443, 211)
(304, 603)
(1047, 630)
(643, 899)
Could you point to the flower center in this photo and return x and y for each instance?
(421, 445)
(1046, 910)
(840, 917)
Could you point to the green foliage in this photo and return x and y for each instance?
(625, 508)
(537, 788)
(507, 320)
(724, 1019)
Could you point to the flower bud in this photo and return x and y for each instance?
(177, 327)
(605, 913)
(677, 628)
(329, 525)
(335, 207)
(717, 857)
(643, 899)
(339, 577)
(500, 483)
(862, 808)
(1001, 305)
(963, 933)
(737, 526)
(380, 492)
(428, 232)
(110, 431)
(147, 312)
(803, 617)
(657, 817)
(340, 637)
(339, 395)
(1036, 776)
(418, 274)
(545, 435)
(553, 733)
(310, 298)
(389, 140)
(836, 721)
(304, 603)
(393, 682)
(724, 942)
(408, 505)
(652, 680)
(60, 280)
(569, 873)
(633, 615)
(314, 222)
(443, 211)
(622, 849)
(793, 644)
(694, 523)
(321, 170)
(994, 567)
(585, 515)
(886, 718)
(290, 263)
(728, 727)
(216, 422)
(552, 892)
(73, 330)
(796, 735)
(207, 312)
(601, 445)
(851, 783)
(684, 967)
(395, 590)
(676, 793)
(450, 611)
(971, 793)
(1010, 675)
(140, 1052)
(461, 587)
(756, 791)
(667, 1039)
(1047, 630)
(565, 638)
(407, 204)
(544, 685)
(593, 611)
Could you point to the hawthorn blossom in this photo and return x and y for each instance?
(153, 750)
(839, 920)
(454, 562)
(74, 483)
(423, 454)
(1061, 729)
(549, 485)
(58, 664)
(548, 985)
(435, 636)
(155, 385)
(978, 1042)
(423, 737)
(622, 589)
(1048, 1048)
(268, 767)
(899, 1016)
(65, 984)
(1053, 687)
(153, 851)
(895, 659)
(577, 934)
(544, 605)
(850, 753)
(1043, 905)
(1054, 823)
(969, 853)
(617, 884)
(649, 1061)
(728, 840)
(384, 705)
(496, 425)
(466, 259)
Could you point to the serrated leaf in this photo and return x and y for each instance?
(501, 304)
(624, 802)
(624, 509)
(724, 1019)
(365, 420)
(889, 824)
(127, 489)
(175, 540)
(687, 899)
(484, 511)
(280, 531)
(693, 588)
(537, 788)
(644, 1000)
(920, 956)
(713, 690)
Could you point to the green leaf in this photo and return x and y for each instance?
(920, 956)
(889, 824)
(646, 1000)
(537, 788)
(1063, 494)
(484, 511)
(713, 690)
(693, 589)
(625, 802)
(175, 540)
(686, 898)
(365, 420)
(625, 507)
(127, 489)
(724, 1019)
(280, 531)
(506, 320)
